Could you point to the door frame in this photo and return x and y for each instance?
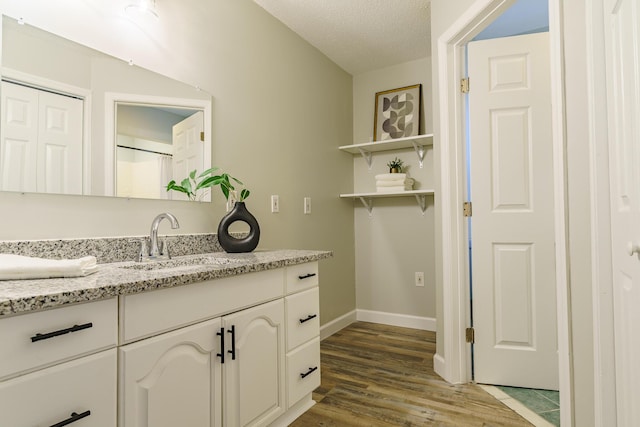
(605, 406)
(455, 367)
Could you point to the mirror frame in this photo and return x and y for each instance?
(111, 100)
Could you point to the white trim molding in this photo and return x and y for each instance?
(337, 324)
(451, 66)
(558, 123)
(601, 262)
(394, 319)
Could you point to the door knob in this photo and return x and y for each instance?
(633, 248)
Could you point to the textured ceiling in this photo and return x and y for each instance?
(359, 35)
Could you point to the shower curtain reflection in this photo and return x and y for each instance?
(142, 174)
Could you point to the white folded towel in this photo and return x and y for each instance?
(394, 189)
(405, 182)
(13, 267)
(390, 176)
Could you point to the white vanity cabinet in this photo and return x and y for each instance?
(59, 366)
(182, 378)
(230, 352)
(216, 353)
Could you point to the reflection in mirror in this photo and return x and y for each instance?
(155, 145)
(69, 94)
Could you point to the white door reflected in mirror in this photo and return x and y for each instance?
(155, 144)
(41, 141)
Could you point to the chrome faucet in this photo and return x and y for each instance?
(157, 251)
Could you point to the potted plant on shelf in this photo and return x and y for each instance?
(395, 165)
(239, 212)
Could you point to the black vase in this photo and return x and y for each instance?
(231, 244)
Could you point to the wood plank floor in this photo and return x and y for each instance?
(382, 376)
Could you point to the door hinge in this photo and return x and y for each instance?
(470, 335)
(466, 209)
(202, 136)
(464, 85)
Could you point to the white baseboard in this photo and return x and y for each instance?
(404, 320)
(335, 325)
(439, 365)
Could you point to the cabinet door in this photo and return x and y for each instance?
(81, 392)
(254, 390)
(172, 379)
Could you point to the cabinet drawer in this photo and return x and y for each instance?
(50, 396)
(150, 313)
(301, 277)
(65, 333)
(303, 317)
(303, 371)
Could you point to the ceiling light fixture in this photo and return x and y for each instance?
(141, 8)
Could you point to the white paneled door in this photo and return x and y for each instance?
(19, 143)
(622, 23)
(188, 148)
(41, 142)
(59, 144)
(511, 180)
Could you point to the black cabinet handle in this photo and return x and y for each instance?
(74, 328)
(72, 419)
(309, 317)
(232, 331)
(306, 276)
(309, 372)
(221, 354)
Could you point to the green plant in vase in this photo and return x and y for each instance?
(224, 180)
(194, 182)
(207, 179)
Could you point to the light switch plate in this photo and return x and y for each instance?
(275, 204)
(307, 205)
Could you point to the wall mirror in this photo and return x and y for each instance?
(77, 121)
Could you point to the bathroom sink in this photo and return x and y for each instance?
(209, 260)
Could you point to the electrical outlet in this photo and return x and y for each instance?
(275, 204)
(307, 205)
(419, 278)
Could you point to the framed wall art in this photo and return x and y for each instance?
(397, 113)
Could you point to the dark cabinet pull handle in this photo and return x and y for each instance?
(74, 328)
(309, 317)
(221, 354)
(72, 419)
(306, 276)
(309, 372)
(232, 331)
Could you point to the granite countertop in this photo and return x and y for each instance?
(125, 278)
